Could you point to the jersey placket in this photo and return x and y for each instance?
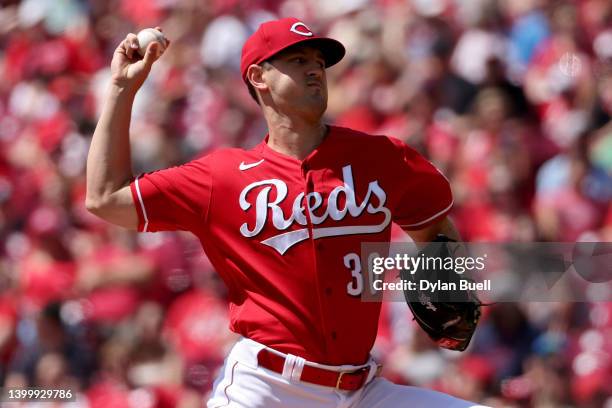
(310, 177)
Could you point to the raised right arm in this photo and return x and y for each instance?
(109, 165)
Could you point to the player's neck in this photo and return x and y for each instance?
(295, 138)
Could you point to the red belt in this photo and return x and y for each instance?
(342, 380)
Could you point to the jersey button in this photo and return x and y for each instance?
(328, 291)
(333, 335)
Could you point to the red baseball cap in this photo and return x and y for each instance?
(274, 36)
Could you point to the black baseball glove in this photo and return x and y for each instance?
(448, 317)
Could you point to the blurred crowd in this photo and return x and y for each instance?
(511, 99)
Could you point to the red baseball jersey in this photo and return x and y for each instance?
(285, 234)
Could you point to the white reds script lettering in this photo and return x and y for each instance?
(311, 202)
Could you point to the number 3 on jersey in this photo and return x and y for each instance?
(353, 263)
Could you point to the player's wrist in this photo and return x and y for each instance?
(119, 89)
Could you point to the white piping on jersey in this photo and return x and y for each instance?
(310, 202)
(430, 218)
(142, 207)
(244, 166)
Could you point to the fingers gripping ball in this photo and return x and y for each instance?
(149, 35)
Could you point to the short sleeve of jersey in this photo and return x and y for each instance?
(173, 199)
(425, 196)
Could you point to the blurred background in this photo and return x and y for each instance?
(511, 99)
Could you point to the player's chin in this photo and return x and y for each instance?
(318, 106)
(318, 99)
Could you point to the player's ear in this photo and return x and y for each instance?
(255, 77)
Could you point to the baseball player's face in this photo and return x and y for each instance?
(297, 80)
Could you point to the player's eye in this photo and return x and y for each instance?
(299, 60)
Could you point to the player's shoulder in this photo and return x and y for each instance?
(373, 142)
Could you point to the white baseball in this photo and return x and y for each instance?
(147, 36)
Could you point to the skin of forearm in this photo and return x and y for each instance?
(109, 164)
(448, 228)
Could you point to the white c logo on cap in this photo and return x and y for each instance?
(295, 26)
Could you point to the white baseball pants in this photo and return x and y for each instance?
(242, 384)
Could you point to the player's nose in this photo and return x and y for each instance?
(315, 70)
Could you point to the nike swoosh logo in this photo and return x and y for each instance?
(243, 166)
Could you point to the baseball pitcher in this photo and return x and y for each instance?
(282, 224)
